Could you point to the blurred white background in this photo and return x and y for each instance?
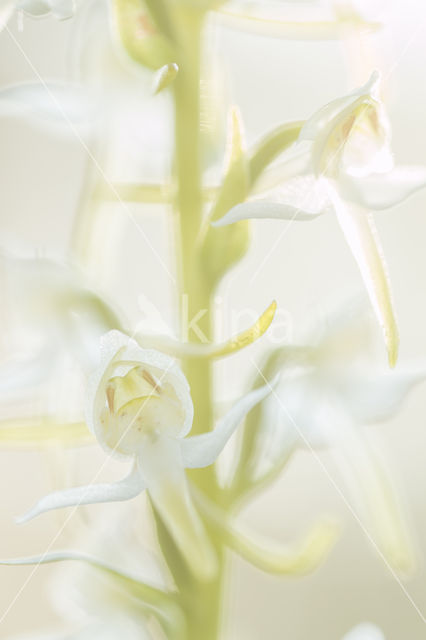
(272, 81)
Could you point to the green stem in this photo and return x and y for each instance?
(201, 601)
(195, 291)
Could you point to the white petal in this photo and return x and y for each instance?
(375, 396)
(315, 125)
(161, 465)
(125, 489)
(364, 631)
(383, 190)
(63, 9)
(63, 106)
(369, 487)
(202, 450)
(302, 198)
(117, 349)
(361, 235)
(373, 493)
(20, 374)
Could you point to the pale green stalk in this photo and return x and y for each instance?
(200, 601)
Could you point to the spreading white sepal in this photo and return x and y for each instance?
(202, 450)
(125, 489)
(301, 198)
(380, 191)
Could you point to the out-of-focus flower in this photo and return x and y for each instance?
(6, 11)
(364, 631)
(330, 387)
(292, 21)
(342, 162)
(52, 324)
(113, 584)
(140, 407)
(59, 9)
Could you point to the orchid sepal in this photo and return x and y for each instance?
(212, 351)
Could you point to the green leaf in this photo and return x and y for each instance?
(222, 248)
(271, 146)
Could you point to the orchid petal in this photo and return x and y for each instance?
(379, 191)
(33, 432)
(125, 489)
(149, 593)
(361, 235)
(213, 351)
(117, 349)
(20, 374)
(372, 490)
(264, 554)
(161, 466)
(202, 450)
(301, 198)
(316, 124)
(317, 421)
(62, 105)
(148, 597)
(377, 395)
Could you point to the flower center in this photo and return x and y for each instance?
(358, 141)
(139, 405)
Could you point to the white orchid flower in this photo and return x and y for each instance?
(343, 163)
(52, 324)
(364, 631)
(140, 408)
(329, 389)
